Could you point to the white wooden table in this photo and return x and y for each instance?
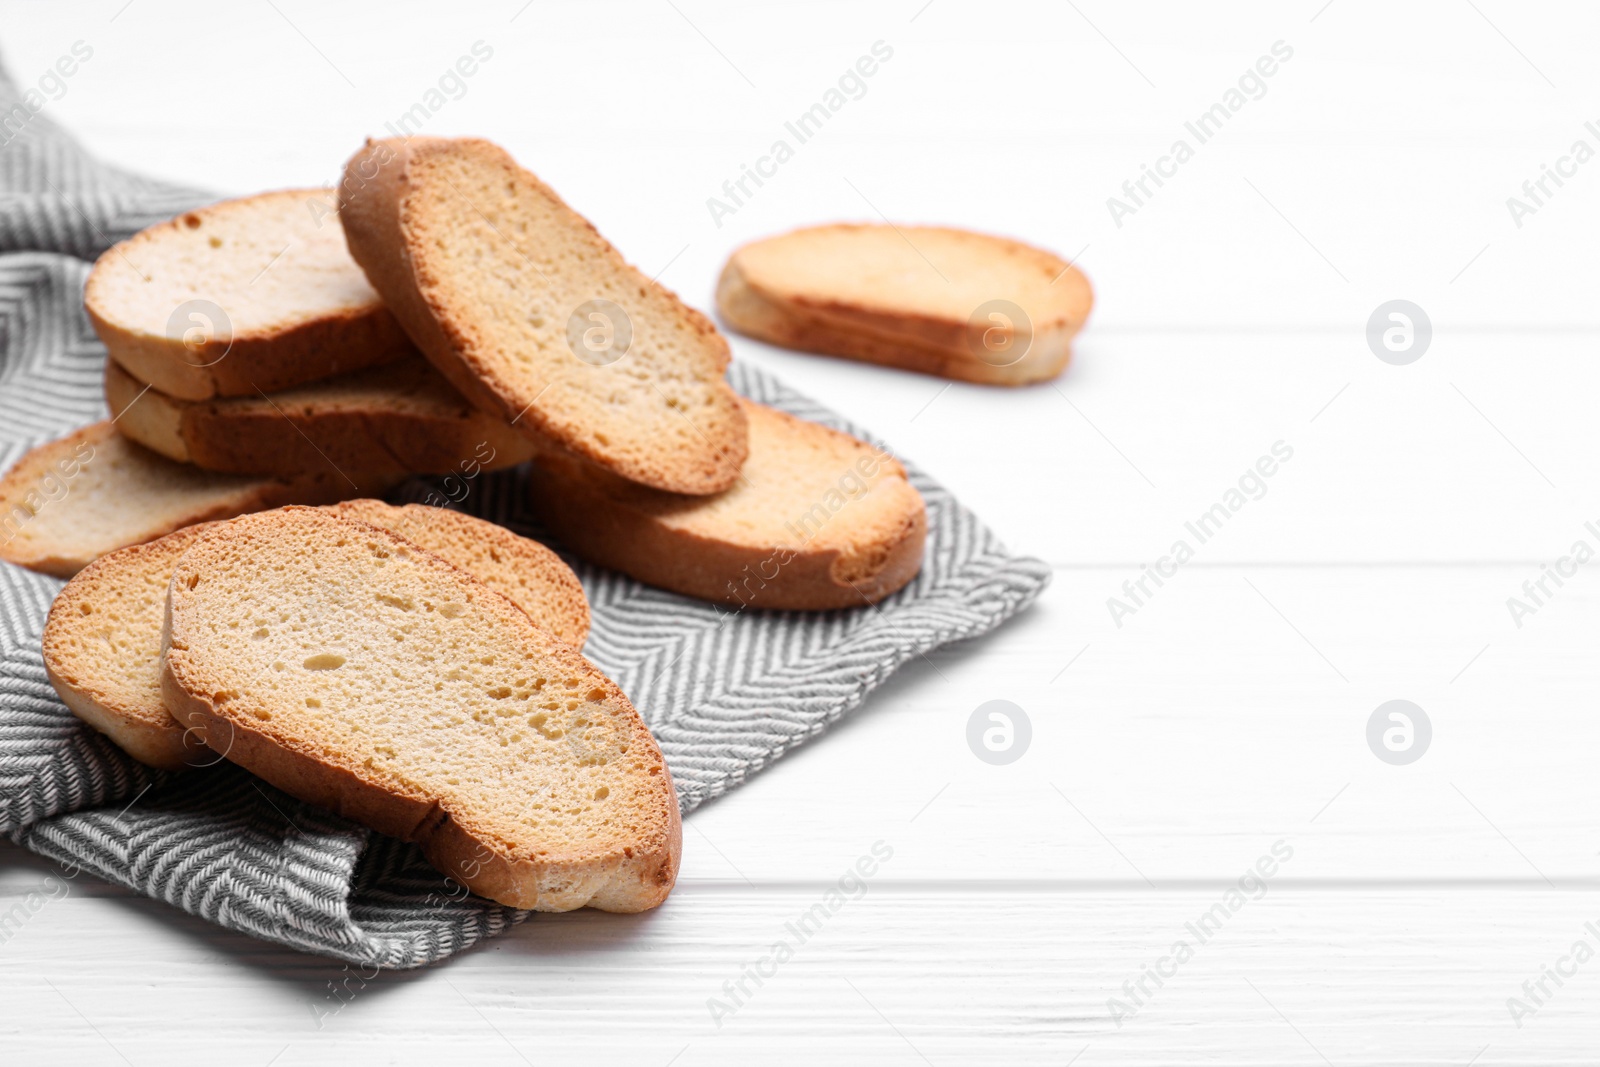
(1227, 714)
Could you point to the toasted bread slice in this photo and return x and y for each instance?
(403, 419)
(534, 316)
(521, 570)
(246, 295)
(354, 670)
(70, 501)
(102, 641)
(102, 650)
(819, 520)
(946, 302)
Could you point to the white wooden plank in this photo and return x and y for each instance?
(902, 974)
(1205, 723)
(1146, 430)
(1175, 748)
(1394, 162)
(1449, 459)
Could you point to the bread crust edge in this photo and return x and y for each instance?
(373, 209)
(887, 339)
(576, 507)
(234, 435)
(269, 360)
(267, 493)
(626, 883)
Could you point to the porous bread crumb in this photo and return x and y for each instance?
(358, 672)
(487, 267)
(258, 292)
(102, 640)
(523, 571)
(69, 501)
(102, 648)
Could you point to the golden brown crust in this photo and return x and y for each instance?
(160, 746)
(751, 314)
(82, 642)
(850, 319)
(28, 488)
(522, 570)
(388, 241)
(372, 195)
(57, 519)
(202, 694)
(400, 419)
(665, 541)
(95, 654)
(266, 359)
(637, 882)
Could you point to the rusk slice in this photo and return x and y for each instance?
(353, 670)
(521, 570)
(401, 419)
(70, 501)
(819, 520)
(102, 651)
(102, 641)
(534, 316)
(946, 302)
(246, 295)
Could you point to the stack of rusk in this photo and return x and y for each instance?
(443, 312)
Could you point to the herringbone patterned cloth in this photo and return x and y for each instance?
(725, 693)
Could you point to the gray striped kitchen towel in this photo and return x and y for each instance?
(725, 693)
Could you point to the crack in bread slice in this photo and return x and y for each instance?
(353, 670)
(249, 294)
(502, 285)
(72, 500)
(922, 298)
(402, 419)
(819, 520)
(102, 640)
